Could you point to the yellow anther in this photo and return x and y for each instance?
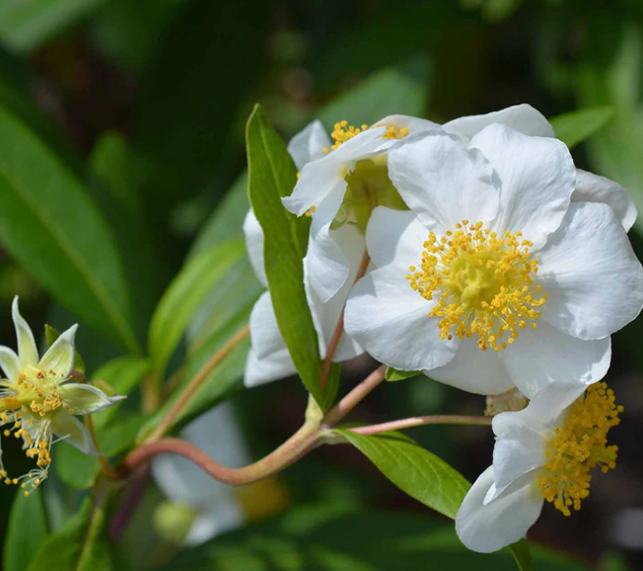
(578, 446)
(482, 284)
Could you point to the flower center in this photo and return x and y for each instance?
(579, 445)
(482, 282)
(343, 132)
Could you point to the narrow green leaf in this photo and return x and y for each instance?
(272, 175)
(522, 554)
(122, 375)
(51, 334)
(414, 470)
(185, 295)
(27, 530)
(114, 179)
(220, 382)
(80, 545)
(227, 220)
(50, 225)
(574, 127)
(395, 375)
(26, 25)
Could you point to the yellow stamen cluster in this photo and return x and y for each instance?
(482, 282)
(395, 133)
(579, 445)
(343, 132)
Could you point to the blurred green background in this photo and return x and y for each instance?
(145, 103)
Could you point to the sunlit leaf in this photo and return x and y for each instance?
(49, 224)
(414, 470)
(573, 128)
(184, 297)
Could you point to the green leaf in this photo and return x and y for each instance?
(80, 545)
(522, 555)
(115, 178)
(48, 223)
(51, 334)
(577, 126)
(401, 89)
(219, 383)
(25, 25)
(80, 470)
(613, 561)
(227, 219)
(395, 375)
(271, 176)
(27, 530)
(122, 375)
(338, 538)
(184, 297)
(414, 470)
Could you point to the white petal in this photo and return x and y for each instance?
(395, 235)
(522, 118)
(413, 124)
(390, 321)
(520, 450)
(59, 358)
(254, 244)
(264, 331)
(27, 350)
(66, 426)
(319, 178)
(86, 399)
(225, 516)
(273, 367)
(474, 371)
(9, 362)
(594, 188)
(505, 520)
(537, 178)
(443, 181)
(326, 264)
(326, 314)
(309, 144)
(592, 276)
(546, 355)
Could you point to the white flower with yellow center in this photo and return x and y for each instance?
(545, 452)
(201, 507)
(269, 359)
(37, 401)
(497, 277)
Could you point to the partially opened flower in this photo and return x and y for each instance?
(496, 277)
(211, 506)
(269, 359)
(37, 401)
(545, 452)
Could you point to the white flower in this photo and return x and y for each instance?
(497, 277)
(269, 359)
(216, 507)
(37, 401)
(544, 452)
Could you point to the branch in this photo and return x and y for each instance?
(421, 421)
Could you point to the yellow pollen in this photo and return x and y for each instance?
(343, 132)
(579, 445)
(482, 284)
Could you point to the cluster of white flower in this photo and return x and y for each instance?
(495, 266)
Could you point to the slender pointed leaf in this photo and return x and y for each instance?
(573, 128)
(27, 530)
(414, 470)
